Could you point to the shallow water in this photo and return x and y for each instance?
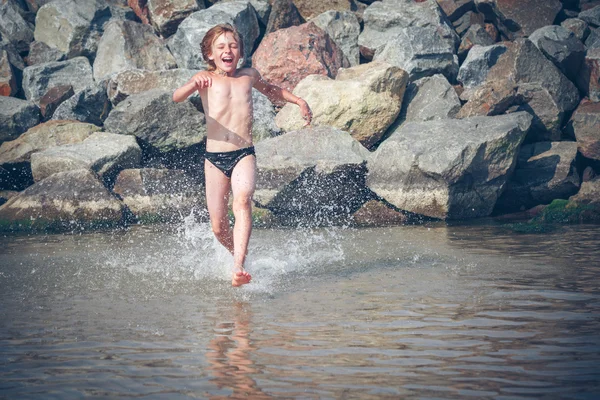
(434, 311)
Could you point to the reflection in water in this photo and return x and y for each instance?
(230, 356)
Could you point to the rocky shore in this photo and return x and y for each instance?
(423, 109)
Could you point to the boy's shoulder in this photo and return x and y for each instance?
(248, 71)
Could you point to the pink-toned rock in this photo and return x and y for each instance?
(518, 18)
(584, 127)
(53, 98)
(454, 9)
(492, 98)
(287, 56)
(311, 8)
(588, 79)
(140, 8)
(8, 83)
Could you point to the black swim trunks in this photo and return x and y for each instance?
(226, 161)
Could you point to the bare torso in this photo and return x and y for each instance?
(228, 109)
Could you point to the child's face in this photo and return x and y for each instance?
(225, 53)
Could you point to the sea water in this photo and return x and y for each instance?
(434, 311)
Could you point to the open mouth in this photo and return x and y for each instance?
(227, 60)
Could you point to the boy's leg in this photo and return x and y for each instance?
(217, 198)
(243, 181)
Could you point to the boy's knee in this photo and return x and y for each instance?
(242, 202)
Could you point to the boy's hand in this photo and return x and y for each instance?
(202, 79)
(305, 111)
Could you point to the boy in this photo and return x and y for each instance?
(230, 163)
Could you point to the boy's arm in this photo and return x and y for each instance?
(277, 94)
(199, 81)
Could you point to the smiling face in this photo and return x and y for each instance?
(225, 53)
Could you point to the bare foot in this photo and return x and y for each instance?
(240, 277)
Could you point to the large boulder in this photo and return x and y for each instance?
(384, 20)
(448, 169)
(15, 155)
(263, 123)
(454, 9)
(185, 43)
(14, 27)
(157, 121)
(580, 28)
(363, 100)
(562, 47)
(430, 98)
(16, 116)
(312, 176)
(287, 56)
(589, 76)
(40, 53)
(545, 171)
(476, 35)
(343, 27)
(128, 44)
(66, 201)
(166, 15)
(88, 105)
(480, 59)
(519, 18)
(160, 195)
(104, 153)
(39, 79)
(591, 16)
(584, 126)
(311, 8)
(283, 15)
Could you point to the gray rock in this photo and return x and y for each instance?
(389, 18)
(584, 127)
(157, 121)
(263, 125)
(14, 27)
(579, 27)
(53, 98)
(313, 176)
(429, 99)
(475, 35)
(40, 53)
(128, 45)
(16, 116)
(166, 15)
(104, 153)
(562, 47)
(38, 79)
(184, 44)
(455, 9)
(591, 16)
(344, 28)
(135, 81)
(589, 193)
(545, 171)
(66, 201)
(14, 58)
(448, 169)
(160, 195)
(8, 79)
(418, 51)
(88, 105)
(593, 39)
(284, 14)
(473, 71)
(463, 24)
(588, 80)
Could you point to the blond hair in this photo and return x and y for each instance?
(212, 35)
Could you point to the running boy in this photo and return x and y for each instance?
(230, 163)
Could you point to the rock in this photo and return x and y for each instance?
(448, 169)
(470, 18)
(591, 16)
(474, 70)
(53, 98)
(104, 153)
(133, 81)
(6, 195)
(313, 177)
(66, 201)
(593, 39)
(562, 47)
(14, 27)
(311, 8)
(15, 155)
(88, 105)
(589, 76)
(287, 56)
(8, 80)
(127, 45)
(184, 44)
(284, 14)
(40, 53)
(579, 27)
(72, 27)
(157, 121)
(387, 19)
(493, 98)
(583, 127)
(377, 213)
(166, 15)
(39, 79)
(16, 116)
(263, 125)
(587, 4)
(519, 18)
(429, 99)
(545, 171)
(159, 195)
(475, 35)
(589, 193)
(140, 8)
(343, 27)
(363, 100)
(454, 9)
(588, 174)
